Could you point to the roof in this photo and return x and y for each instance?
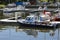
(31, 16)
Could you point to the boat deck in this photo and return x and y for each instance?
(55, 22)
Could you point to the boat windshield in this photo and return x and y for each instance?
(29, 18)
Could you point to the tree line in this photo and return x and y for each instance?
(11, 1)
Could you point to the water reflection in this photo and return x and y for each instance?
(52, 33)
(15, 32)
(31, 32)
(34, 31)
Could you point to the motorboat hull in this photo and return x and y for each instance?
(35, 25)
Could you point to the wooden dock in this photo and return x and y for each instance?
(10, 20)
(7, 20)
(57, 22)
(31, 11)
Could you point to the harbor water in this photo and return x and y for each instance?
(16, 32)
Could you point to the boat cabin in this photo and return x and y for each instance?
(31, 18)
(44, 17)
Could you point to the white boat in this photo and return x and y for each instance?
(13, 7)
(33, 20)
(20, 7)
(9, 7)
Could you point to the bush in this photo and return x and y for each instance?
(2, 6)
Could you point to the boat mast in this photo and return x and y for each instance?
(9, 1)
(58, 5)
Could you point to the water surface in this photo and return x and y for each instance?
(16, 32)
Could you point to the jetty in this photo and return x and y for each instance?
(10, 20)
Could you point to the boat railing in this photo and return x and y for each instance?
(38, 23)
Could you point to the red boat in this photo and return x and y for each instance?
(57, 17)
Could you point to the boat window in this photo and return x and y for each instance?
(29, 18)
(35, 18)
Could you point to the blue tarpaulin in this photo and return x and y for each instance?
(19, 3)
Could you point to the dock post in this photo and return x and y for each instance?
(1, 13)
(16, 16)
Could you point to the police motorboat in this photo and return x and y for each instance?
(33, 20)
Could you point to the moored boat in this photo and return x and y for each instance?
(35, 21)
(57, 17)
